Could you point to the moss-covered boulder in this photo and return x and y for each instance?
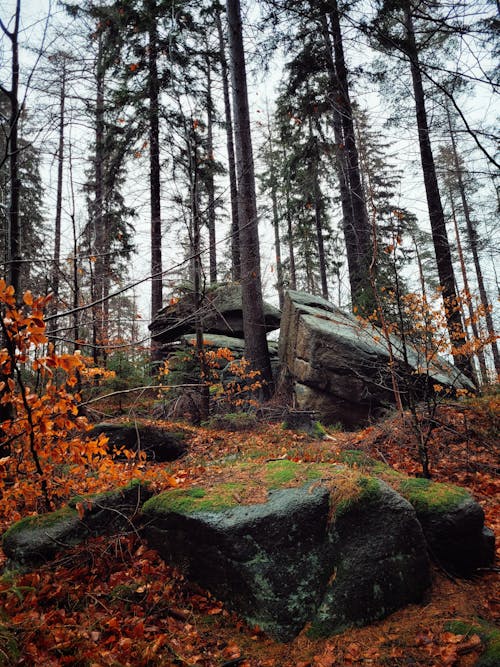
(285, 544)
(37, 539)
(453, 525)
(452, 521)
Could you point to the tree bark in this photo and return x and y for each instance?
(60, 58)
(154, 165)
(473, 243)
(212, 242)
(358, 268)
(14, 220)
(436, 215)
(233, 185)
(256, 349)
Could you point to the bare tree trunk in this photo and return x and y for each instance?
(14, 224)
(473, 243)
(289, 229)
(56, 267)
(363, 296)
(99, 324)
(212, 243)
(254, 327)
(468, 298)
(233, 184)
(436, 215)
(358, 269)
(154, 164)
(276, 221)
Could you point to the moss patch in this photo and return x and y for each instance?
(427, 496)
(365, 489)
(41, 521)
(248, 483)
(490, 636)
(195, 499)
(96, 497)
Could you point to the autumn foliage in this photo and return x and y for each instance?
(47, 454)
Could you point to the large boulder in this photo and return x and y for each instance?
(326, 546)
(220, 313)
(37, 539)
(339, 367)
(453, 525)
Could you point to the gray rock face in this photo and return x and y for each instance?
(340, 368)
(158, 444)
(285, 562)
(457, 537)
(221, 313)
(37, 539)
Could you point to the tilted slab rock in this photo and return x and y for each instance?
(296, 557)
(37, 539)
(340, 368)
(220, 313)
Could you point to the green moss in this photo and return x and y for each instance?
(355, 457)
(283, 472)
(427, 496)
(93, 497)
(195, 499)
(489, 634)
(41, 521)
(318, 430)
(365, 490)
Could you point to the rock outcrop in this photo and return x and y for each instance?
(296, 557)
(286, 544)
(220, 313)
(340, 368)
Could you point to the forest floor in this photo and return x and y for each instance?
(113, 602)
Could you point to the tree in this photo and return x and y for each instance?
(11, 155)
(256, 350)
(386, 27)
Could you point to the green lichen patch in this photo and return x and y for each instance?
(427, 496)
(42, 521)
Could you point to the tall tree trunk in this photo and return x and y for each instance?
(289, 228)
(212, 242)
(318, 210)
(358, 271)
(276, 220)
(468, 297)
(99, 325)
(254, 327)
(473, 244)
(14, 221)
(436, 215)
(363, 295)
(154, 166)
(233, 184)
(56, 266)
